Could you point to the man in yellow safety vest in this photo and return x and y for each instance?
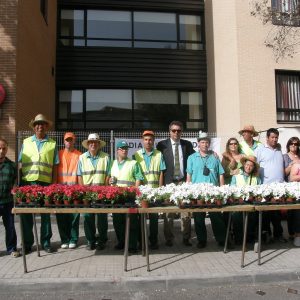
(38, 163)
(152, 164)
(125, 172)
(93, 170)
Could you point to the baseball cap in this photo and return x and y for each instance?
(148, 132)
(122, 144)
(69, 135)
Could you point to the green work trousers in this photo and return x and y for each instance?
(153, 228)
(90, 228)
(238, 226)
(217, 223)
(68, 227)
(119, 222)
(46, 231)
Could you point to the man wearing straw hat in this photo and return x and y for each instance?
(39, 160)
(249, 144)
(93, 170)
(68, 224)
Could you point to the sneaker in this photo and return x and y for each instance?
(72, 245)
(15, 254)
(297, 241)
(64, 246)
(201, 245)
(280, 239)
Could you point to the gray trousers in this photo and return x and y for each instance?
(169, 226)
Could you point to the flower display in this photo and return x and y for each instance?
(184, 195)
(76, 195)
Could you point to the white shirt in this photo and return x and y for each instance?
(180, 158)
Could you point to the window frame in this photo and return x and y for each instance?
(131, 122)
(286, 110)
(178, 41)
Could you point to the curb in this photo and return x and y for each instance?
(144, 283)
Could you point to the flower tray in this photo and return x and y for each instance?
(29, 205)
(105, 205)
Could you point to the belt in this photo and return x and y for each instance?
(178, 181)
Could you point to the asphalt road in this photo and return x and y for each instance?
(274, 291)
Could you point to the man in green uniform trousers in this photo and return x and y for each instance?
(125, 172)
(38, 162)
(204, 167)
(93, 170)
(152, 165)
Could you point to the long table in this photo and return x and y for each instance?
(143, 211)
(265, 208)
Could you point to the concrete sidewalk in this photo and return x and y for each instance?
(170, 266)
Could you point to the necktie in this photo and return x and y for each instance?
(177, 164)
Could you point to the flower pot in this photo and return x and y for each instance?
(86, 203)
(200, 202)
(144, 204)
(193, 202)
(218, 202)
(47, 203)
(241, 201)
(289, 200)
(77, 202)
(67, 203)
(273, 200)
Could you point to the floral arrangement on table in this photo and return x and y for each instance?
(204, 194)
(58, 195)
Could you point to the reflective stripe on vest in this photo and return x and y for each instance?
(245, 148)
(125, 176)
(240, 180)
(151, 176)
(92, 175)
(67, 174)
(37, 166)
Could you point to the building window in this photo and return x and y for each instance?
(129, 109)
(44, 9)
(286, 12)
(288, 96)
(106, 28)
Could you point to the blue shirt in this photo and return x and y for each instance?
(147, 158)
(94, 160)
(271, 164)
(195, 166)
(39, 144)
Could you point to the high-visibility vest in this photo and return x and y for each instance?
(245, 148)
(151, 175)
(37, 166)
(67, 174)
(94, 175)
(240, 180)
(125, 176)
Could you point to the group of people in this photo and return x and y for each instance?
(173, 161)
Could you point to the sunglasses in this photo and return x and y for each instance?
(123, 149)
(176, 130)
(294, 144)
(232, 143)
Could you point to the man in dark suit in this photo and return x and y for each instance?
(175, 153)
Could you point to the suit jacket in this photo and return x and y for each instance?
(165, 147)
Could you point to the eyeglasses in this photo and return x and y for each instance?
(176, 130)
(233, 144)
(294, 144)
